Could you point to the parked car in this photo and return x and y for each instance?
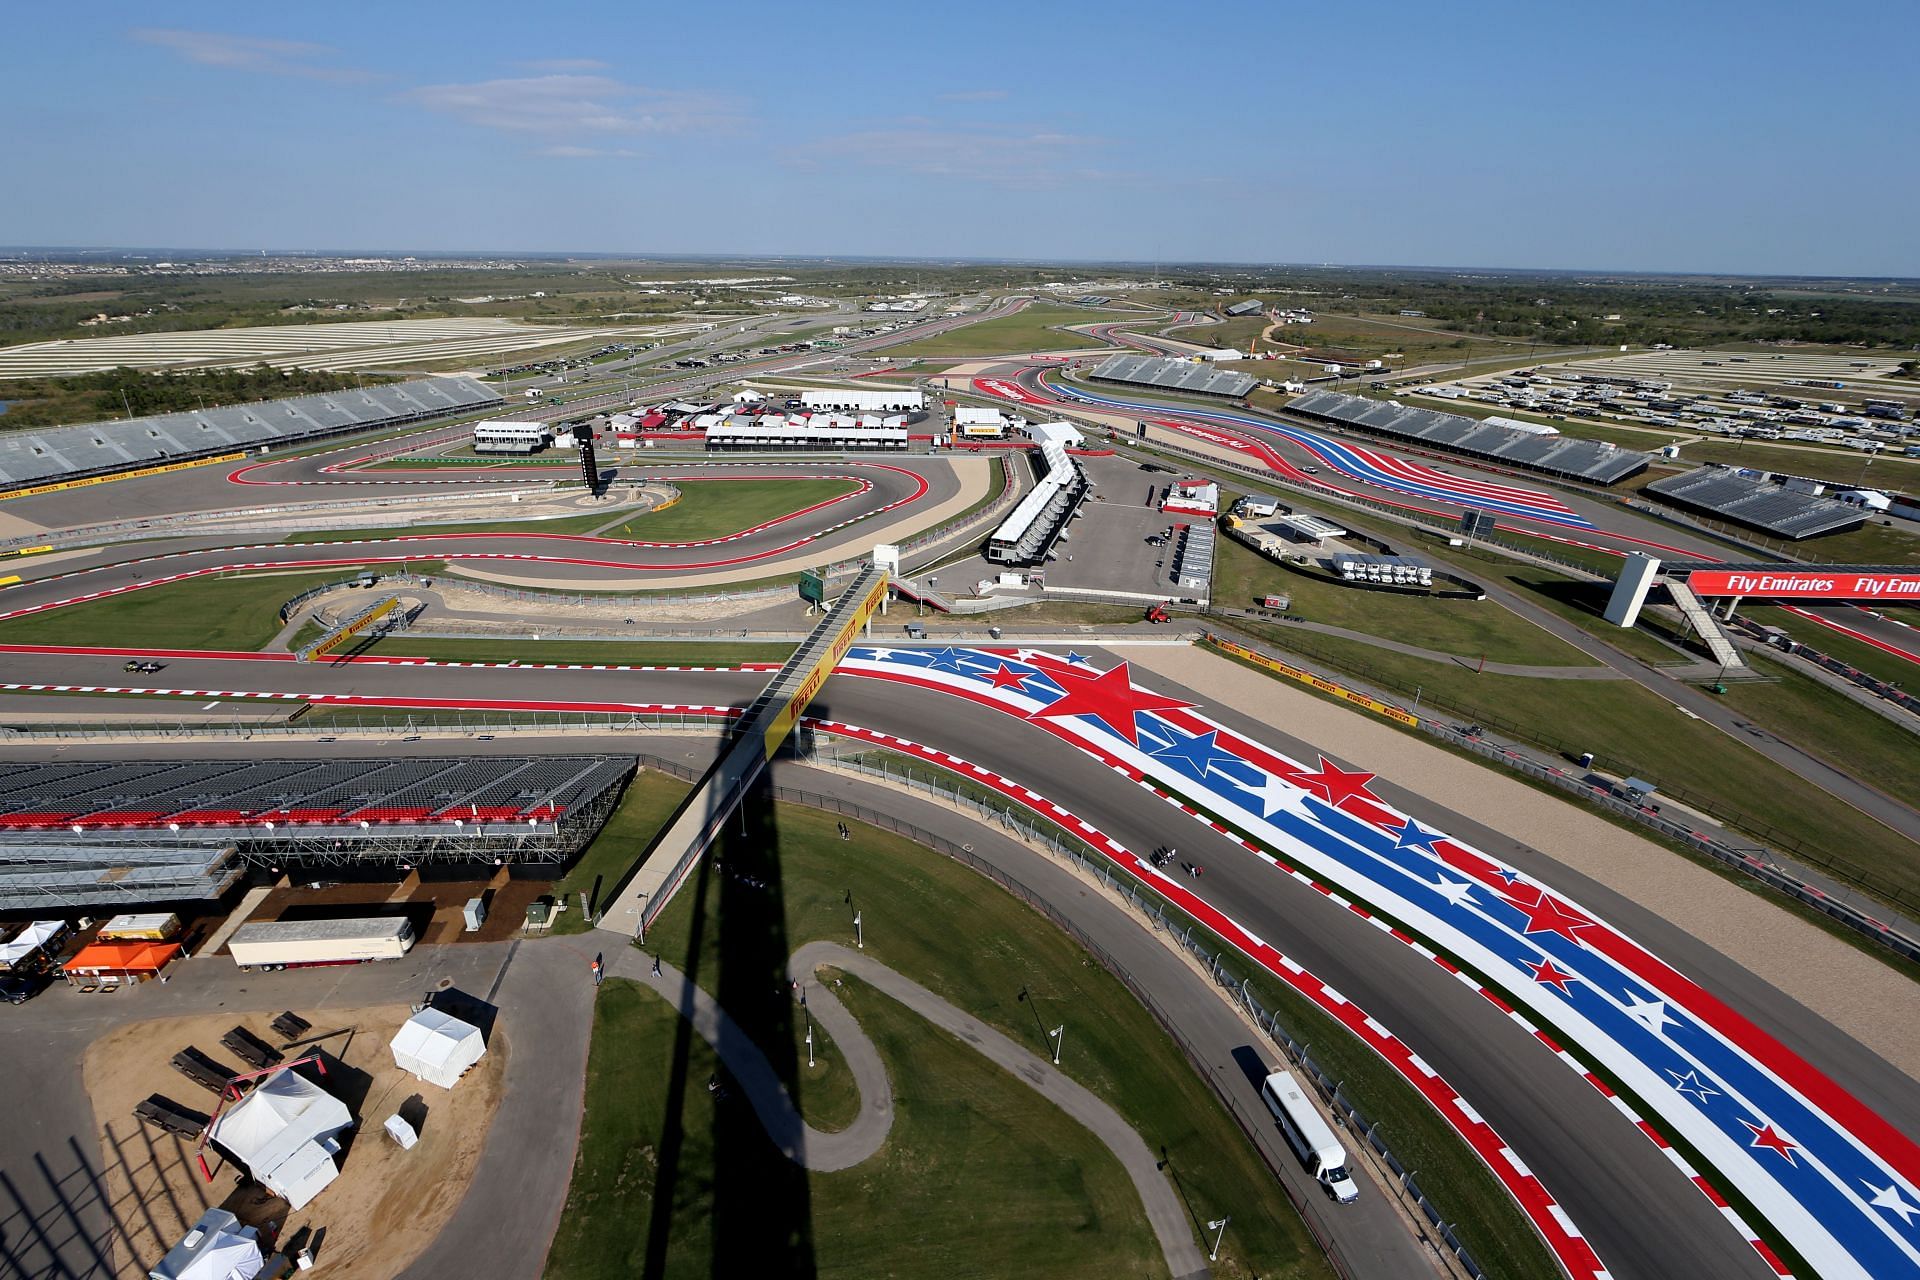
(18, 988)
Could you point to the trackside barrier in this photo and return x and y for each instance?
(1164, 918)
(137, 473)
(1881, 688)
(1758, 861)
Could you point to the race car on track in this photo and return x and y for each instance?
(145, 668)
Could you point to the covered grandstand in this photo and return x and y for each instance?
(55, 454)
(513, 809)
(1591, 461)
(1035, 523)
(1757, 502)
(1174, 375)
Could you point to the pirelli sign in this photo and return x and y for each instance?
(796, 706)
(121, 475)
(1308, 678)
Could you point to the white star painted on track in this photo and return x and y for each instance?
(880, 654)
(1691, 1085)
(1454, 891)
(1890, 1199)
(1274, 794)
(1651, 1014)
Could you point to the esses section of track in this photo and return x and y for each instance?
(575, 560)
(1491, 980)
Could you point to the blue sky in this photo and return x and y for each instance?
(1758, 137)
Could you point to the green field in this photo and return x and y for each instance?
(1875, 662)
(716, 508)
(236, 612)
(1026, 330)
(1468, 628)
(995, 958)
(979, 1176)
(1632, 731)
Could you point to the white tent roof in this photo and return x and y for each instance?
(30, 940)
(436, 1046)
(214, 1249)
(283, 1132)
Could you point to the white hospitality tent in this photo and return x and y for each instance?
(217, 1248)
(29, 941)
(284, 1133)
(437, 1047)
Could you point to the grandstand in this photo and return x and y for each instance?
(1174, 375)
(1592, 461)
(56, 454)
(40, 872)
(819, 433)
(1757, 502)
(1035, 523)
(514, 809)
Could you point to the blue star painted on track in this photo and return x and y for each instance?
(1508, 874)
(949, 659)
(1195, 756)
(1076, 657)
(1415, 836)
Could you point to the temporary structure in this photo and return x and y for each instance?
(437, 1047)
(217, 1248)
(121, 960)
(284, 1132)
(29, 943)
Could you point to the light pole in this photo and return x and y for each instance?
(859, 941)
(1058, 1035)
(809, 1044)
(1219, 1227)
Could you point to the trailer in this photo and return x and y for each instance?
(152, 926)
(283, 943)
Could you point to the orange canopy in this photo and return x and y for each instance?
(123, 957)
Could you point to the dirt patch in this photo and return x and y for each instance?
(382, 1212)
(433, 906)
(1848, 988)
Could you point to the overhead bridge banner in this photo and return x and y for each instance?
(796, 706)
(1805, 584)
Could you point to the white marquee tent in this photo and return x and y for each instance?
(217, 1248)
(284, 1133)
(436, 1047)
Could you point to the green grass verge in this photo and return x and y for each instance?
(659, 653)
(991, 956)
(648, 802)
(716, 508)
(979, 1176)
(1469, 628)
(1830, 725)
(1633, 731)
(238, 612)
(1855, 653)
(1024, 331)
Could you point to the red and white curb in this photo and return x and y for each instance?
(1566, 1241)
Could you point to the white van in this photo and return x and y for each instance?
(1309, 1136)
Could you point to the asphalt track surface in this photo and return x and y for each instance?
(1580, 520)
(1639, 1213)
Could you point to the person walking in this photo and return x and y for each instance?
(656, 966)
(598, 970)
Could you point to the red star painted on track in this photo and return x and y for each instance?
(1773, 1140)
(1338, 785)
(1546, 913)
(1110, 698)
(1545, 974)
(1007, 678)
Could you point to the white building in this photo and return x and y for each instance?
(1215, 354)
(866, 400)
(286, 1133)
(1519, 424)
(437, 1047)
(215, 1248)
(748, 396)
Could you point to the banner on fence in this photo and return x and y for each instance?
(1308, 678)
(121, 475)
(353, 628)
(849, 631)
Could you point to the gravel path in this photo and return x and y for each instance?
(1849, 988)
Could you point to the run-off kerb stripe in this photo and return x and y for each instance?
(1569, 1246)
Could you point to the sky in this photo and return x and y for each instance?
(1690, 136)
